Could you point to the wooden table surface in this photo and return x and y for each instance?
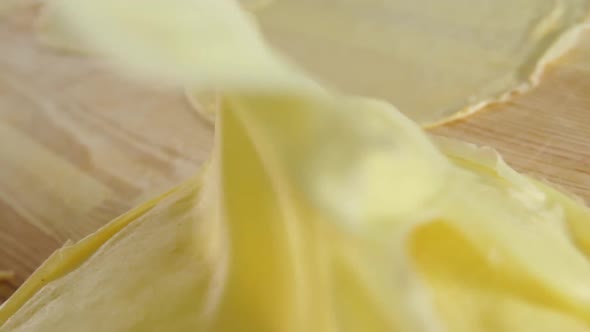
(79, 146)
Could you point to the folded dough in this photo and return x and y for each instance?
(317, 212)
(435, 60)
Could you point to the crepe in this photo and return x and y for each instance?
(318, 211)
(436, 61)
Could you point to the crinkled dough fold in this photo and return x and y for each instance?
(318, 211)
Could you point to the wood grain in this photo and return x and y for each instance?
(79, 145)
(545, 132)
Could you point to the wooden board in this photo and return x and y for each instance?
(79, 146)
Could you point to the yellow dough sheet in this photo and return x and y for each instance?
(318, 211)
(435, 60)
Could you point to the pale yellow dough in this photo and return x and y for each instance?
(318, 211)
(435, 60)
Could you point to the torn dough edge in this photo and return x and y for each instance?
(563, 44)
